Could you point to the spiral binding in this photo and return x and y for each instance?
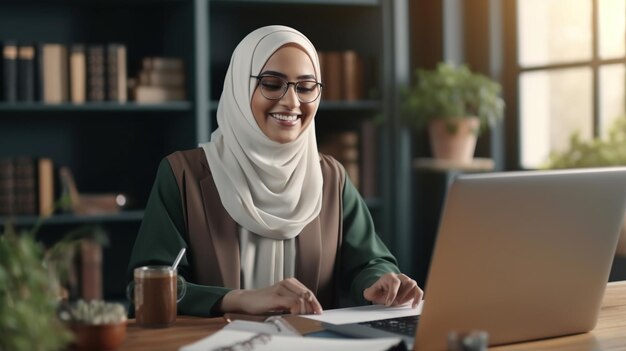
(247, 345)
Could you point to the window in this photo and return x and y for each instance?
(570, 72)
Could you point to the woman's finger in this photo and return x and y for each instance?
(293, 287)
(284, 304)
(418, 297)
(384, 290)
(392, 285)
(409, 290)
(406, 292)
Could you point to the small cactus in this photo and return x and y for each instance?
(94, 312)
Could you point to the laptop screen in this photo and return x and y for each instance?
(522, 255)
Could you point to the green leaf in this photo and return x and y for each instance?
(451, 91)
(597, 152)
(29, 282)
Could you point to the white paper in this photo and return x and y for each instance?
(226, 338)
(365, 313)
(274, 327)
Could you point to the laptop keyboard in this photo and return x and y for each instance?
(400, 325)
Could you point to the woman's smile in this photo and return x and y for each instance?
(286, 119)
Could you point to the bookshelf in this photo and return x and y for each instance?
(166, 107)
(116, 147)
(71, 219)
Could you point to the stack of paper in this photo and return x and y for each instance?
(233, 338)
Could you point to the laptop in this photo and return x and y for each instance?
(520, 255)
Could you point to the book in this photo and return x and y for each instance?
(26, 73)
(55, 79)
(280, 323)
(25, 183)
(78, 74)
(344, 147)
(163, 63)
(116, 72)
(160, 79)
(352, 69)
(38, 78)
(26, 186)
(258, 341)
(156, 94)
(332, 75)
(86, 204)
(7, 187)
(45, 186)
(93, 204)
(9, 71)
(96, 88)
(90, 276)
(170, 79)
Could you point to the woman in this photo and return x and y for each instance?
(269, 224)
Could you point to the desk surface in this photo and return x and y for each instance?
(609, 334)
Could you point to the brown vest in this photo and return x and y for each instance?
(213, 233)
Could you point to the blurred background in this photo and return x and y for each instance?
(95, 93)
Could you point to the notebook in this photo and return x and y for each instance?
(521, 255)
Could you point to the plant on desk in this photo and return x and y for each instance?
(31, 281)
(97, 325)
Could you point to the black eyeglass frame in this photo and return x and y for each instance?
(288, 83)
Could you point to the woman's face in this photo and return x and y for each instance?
(283, 120)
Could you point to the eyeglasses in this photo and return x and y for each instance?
(274, 88)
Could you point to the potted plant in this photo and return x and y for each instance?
(29, 296)
(597, 152)
(97, 325)
(31, 287)
(455, 104)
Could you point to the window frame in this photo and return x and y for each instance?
(512, 72)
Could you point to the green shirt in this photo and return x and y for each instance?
(363, 259)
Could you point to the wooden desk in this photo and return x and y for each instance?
(185, 331)
(609, 334)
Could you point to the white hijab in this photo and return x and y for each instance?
(269, 189)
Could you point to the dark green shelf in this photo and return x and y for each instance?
(182, 106)
(124, 216)
(349, 105)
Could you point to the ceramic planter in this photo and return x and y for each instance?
(454, 139)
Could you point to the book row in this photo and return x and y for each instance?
(159, 79)
(30, 186)
(77, 73)
(344, 75)
(56, 73)
(357, 151)
(26, 186)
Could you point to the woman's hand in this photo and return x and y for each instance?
(393, 290)
(288, 295)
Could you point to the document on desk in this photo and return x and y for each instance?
(234, 339)
(275, 326)
(365, 313)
